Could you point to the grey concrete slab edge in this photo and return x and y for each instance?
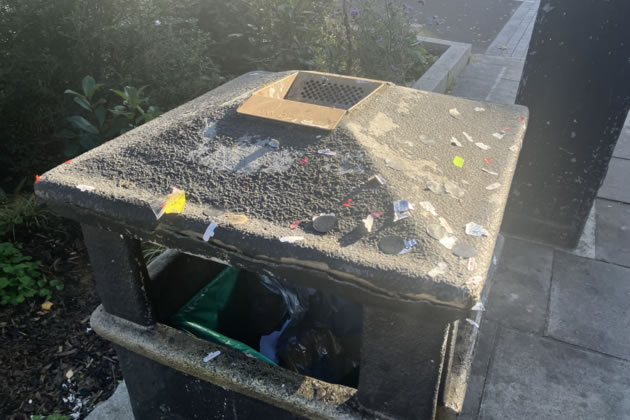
(454, 57)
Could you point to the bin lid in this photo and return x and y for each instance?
(417, 183)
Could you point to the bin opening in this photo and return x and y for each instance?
(310, 98)
(304, 330)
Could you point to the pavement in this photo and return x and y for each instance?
(475, 22)
(554, 342)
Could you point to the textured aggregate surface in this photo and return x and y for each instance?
(227, 163)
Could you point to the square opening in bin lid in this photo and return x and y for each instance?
(310, 98)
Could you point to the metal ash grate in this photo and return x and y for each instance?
(329, 90)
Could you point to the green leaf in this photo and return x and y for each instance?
(88, 84)
(121, 94)
(4, 282)
(83, 124)
(100, 115)
(89, 141)
(72, 92)
(83, 102)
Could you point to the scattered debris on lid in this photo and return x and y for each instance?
(482, 146)
(479, 109)
(211, 356)
(209, 233)
(426, 205)
(174, 204)
(455, 142)
(85, 188)
(455, 113)
(434, 186)
(402, 210)
(472, 264)
(448, 242)
(327, 152)
(499, 135)
(493, 186)
(490, 172)
(391, 245)
(436, 231)
(514, 148)
(368, 222)
(440, 268)
(445, 225)
(324, 223)
(292, 239)
(454, 190)
(464, 250)
(468, 136)
(409, 245)
(458, 161)
(474, 229)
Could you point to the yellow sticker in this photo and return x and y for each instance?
(458, 161)
(47, 305)
(175, 202)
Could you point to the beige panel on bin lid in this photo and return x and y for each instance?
(310, 99)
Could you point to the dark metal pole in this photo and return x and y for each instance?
(576, 83)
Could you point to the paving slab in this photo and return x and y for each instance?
(520, 293)
(589, 305)
(513, 40)
(489, 78)
(116, 407)
(612, 232)
(539, 378)
(476, 22)
(615, 185)
(622, 150)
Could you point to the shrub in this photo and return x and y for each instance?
(374, 39)
(95, 123)
(180, 49)
(21, 212)
(20, 277)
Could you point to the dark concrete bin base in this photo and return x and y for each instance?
(248, 387)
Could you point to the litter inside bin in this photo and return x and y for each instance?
(301, 329)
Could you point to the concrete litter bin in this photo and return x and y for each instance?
(387, 196)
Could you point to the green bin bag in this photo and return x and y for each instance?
(201, 315)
